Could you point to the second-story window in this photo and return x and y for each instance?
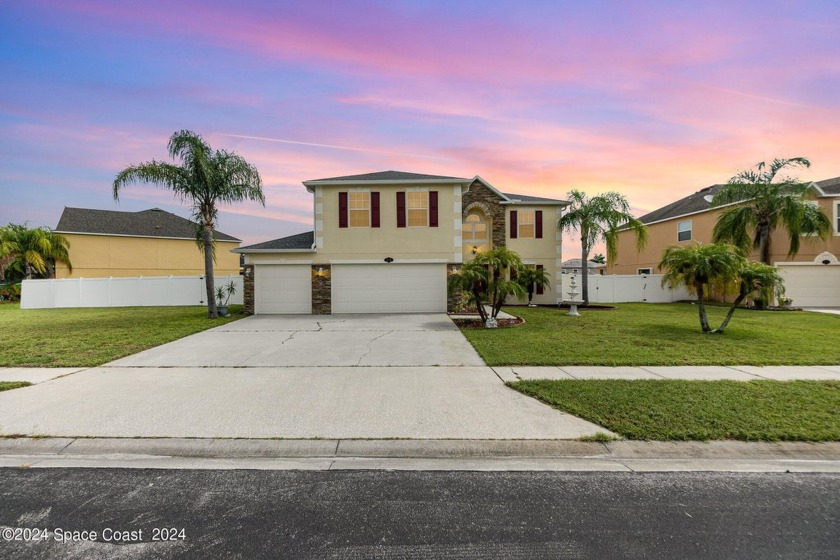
(684, 231)
(417, 207)
(359, 207)
(526, 224)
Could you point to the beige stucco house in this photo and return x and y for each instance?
(812, 276)
(108, 243)
(386, 242)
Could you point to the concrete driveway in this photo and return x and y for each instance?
(364, 376)
(318, 340)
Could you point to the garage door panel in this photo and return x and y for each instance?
(389, 288)
(812, 285)
(282, 289)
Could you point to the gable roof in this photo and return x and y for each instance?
(697, 202)
(146, 223)
(830, 187)
(385, 176)
(300, 241)
(575, 263)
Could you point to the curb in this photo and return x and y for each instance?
(480, 455)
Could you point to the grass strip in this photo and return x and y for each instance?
(699, 410)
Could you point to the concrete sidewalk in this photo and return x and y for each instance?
(694, 373)
(472, 455)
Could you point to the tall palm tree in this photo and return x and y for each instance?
(599, 218)
(768, 204)
(205, 178)
(31, 250)
(697, 267)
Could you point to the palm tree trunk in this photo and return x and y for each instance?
(584, 270)
(480, 306)
(701, 309)
(729, 313)
(209, 280)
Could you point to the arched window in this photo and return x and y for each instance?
(474, 231)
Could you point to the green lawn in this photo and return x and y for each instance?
(659, 334)
(8, 385)
(93, 336)
(699, 410)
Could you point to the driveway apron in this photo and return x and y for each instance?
(334, 376)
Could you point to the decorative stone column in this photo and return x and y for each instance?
(321, 289)
(248, 288)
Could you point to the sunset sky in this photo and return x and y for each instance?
(652, 99)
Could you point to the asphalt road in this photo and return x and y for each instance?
(413, 515)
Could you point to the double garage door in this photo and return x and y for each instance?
(356, 288)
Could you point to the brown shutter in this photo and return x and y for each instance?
(342, 209)
(514, 227)
(540, 289)
(433, 209)
(400, 209)
(538, 224)
(374, 209)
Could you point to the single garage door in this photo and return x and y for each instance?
(812, 285)
(388, 288)
(282, 288)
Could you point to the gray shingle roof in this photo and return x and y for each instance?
(299, 241)
(830, 186)
(146, 223)
(388, 176)
(697, 202)
(692, 203)
(527, 198)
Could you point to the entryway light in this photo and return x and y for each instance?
(475, 249)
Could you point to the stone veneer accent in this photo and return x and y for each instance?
(478, 192)
(451, 295)
(321, 290)
(248, 288)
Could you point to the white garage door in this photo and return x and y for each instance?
(388, 288)
(282, 288)
(812, 285)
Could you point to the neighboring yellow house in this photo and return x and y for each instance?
(385, 242)
(152, 242)
(812, 276)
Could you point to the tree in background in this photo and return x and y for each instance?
(768, 204)
(485, 278)
(599, 259)
(205, 179)
(698, 267)
(31, 251)
(599, 219)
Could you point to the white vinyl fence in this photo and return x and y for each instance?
(136, 291)
(626, 288)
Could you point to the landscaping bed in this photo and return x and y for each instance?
(94, 336)
(699, 410)
(639, 334)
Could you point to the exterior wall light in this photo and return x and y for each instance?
(474, 249)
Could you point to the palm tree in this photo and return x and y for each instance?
(599, 258)
(485, 279)
(529, 278)
(599, 218)
(766, 205)
(205, 178)
(31, 250)
(697, 267)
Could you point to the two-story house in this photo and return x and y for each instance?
(386, 242)
(812, 276)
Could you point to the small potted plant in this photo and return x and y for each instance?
(223, 294)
